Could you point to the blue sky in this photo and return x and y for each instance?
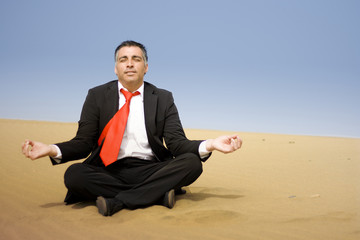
(281, 66)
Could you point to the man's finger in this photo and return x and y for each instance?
(236, 142)
(233, 144)
(239, 142)
(25, 148)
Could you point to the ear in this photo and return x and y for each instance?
(146, 68)
(115, 70)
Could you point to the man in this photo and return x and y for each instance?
(123, 126)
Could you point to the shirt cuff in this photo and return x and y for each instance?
(58, 156)
(202, 150)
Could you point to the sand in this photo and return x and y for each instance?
(275, 187)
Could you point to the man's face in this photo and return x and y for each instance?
(130, 67)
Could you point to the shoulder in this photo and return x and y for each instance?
(150, 88)
(105, 89)
(106, 86)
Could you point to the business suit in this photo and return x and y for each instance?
(162, 123)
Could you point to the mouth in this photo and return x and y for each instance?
(130, 72)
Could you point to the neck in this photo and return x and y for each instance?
(132, 86)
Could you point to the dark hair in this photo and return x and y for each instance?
(130, 43)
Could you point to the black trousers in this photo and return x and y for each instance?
(134, 182)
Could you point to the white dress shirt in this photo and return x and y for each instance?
(135, 142)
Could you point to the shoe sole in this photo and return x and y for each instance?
(102, 206)
(170, 199)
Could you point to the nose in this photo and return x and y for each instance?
(130, 63)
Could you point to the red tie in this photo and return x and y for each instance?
(114, 131)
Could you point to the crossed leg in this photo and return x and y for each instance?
(131, 182)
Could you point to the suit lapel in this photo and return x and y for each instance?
(113, 98)
(111, 104)
(150, 106)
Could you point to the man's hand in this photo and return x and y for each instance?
(224, 144)
(35, 150)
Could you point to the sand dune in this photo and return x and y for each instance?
(275, 187)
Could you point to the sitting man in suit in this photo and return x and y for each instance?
(123, 126)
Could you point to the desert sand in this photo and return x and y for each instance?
(274, 187)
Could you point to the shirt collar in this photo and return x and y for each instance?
(140, 90)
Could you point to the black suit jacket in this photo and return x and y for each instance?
(161, 120)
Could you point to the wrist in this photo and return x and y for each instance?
(53, 151)
(209, 145)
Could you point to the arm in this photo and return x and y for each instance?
(78, 147)
(177, 142)
(88, 131)
(173, 132)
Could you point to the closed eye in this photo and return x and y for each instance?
(137, 58)
(122, 59)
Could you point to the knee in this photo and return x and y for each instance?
(74, 175)
(193, 164)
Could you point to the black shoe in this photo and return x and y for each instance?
(108, 206)
(169, 199)
(180, 191)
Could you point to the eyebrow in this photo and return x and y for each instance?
(134, 56)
